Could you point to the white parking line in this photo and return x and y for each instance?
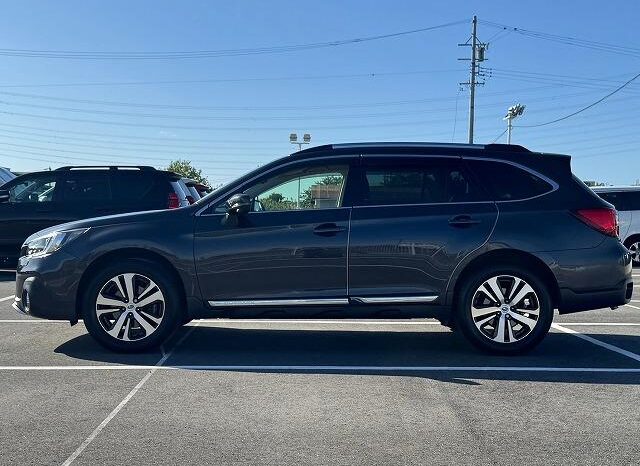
(124, 401)
(602, 344)
(632, 306)
(602, 324)
(7, 298)
(305, 368)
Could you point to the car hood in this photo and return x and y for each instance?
(119, 219)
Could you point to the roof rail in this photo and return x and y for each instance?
(507, 147)
(110, 167)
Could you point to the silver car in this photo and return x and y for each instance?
(626, 200)
(5, 176)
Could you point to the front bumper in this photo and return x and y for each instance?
(47, 286)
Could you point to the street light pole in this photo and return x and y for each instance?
(513, 112)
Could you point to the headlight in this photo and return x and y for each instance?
(49, 243)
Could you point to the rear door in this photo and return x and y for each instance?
(415, 219)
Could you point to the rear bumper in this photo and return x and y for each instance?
(595, 278)
(47, 287)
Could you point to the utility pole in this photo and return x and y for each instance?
(477, 56)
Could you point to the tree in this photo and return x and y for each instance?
(184, 168)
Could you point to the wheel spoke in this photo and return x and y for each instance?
(115, 330)
(499, 337)
(144, 314)
(493, 285)
(128, 283)
(153, 297)
(118, 283)
(483, 311)
(112, 303)
(523, 320)
(524, 291)
(486, 320)
(510, 330)
(148, 328)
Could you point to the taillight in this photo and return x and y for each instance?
(603, 220)
(173, 202)
(191, 200)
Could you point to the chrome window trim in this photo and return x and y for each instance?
(279, 302)
(394, 299)
(298, 161)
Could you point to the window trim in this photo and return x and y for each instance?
(358, 199)
(56, 196)
(351, 160)
(554, 186)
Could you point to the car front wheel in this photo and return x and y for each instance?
(131, 306)
(505, 310)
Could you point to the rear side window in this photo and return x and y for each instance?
(86, 187)
(506, 182)
(135, 185)
(416, 182)
(622, 200)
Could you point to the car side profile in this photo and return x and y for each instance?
(489, 239)
(626, 200)
(39, 200)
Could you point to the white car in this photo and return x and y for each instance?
(626, 200)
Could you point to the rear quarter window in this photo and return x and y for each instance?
(136, 185)
(506, 182)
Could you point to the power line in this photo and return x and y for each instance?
(615, 91)
(179, 55)
(567, 40)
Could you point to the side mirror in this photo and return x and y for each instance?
(4, 195)
(238, 204)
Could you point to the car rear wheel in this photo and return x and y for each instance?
(505, 310)
(131, 306)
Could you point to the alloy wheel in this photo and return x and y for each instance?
(130, 307)
(505, 309)
(634, 249)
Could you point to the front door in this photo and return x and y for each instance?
(415, 220)
(291, 246)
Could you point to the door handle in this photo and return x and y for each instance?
(328, 229)
(463, 221)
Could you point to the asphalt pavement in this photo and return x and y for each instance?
(320, 392)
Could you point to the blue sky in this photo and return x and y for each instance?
(237, 112)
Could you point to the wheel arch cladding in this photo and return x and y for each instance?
(507, 257)
(131, 253)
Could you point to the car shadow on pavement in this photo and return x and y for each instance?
(368, 352)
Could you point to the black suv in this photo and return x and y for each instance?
(38, 200)
(487, 239)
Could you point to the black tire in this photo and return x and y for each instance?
(466, 323)
(171, 315)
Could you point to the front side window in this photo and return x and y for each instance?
(301, 189)
(33, 189)
(417, 182)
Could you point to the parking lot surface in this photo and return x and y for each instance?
(320, 392)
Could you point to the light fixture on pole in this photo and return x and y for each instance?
(306, 139)
(513, 112)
